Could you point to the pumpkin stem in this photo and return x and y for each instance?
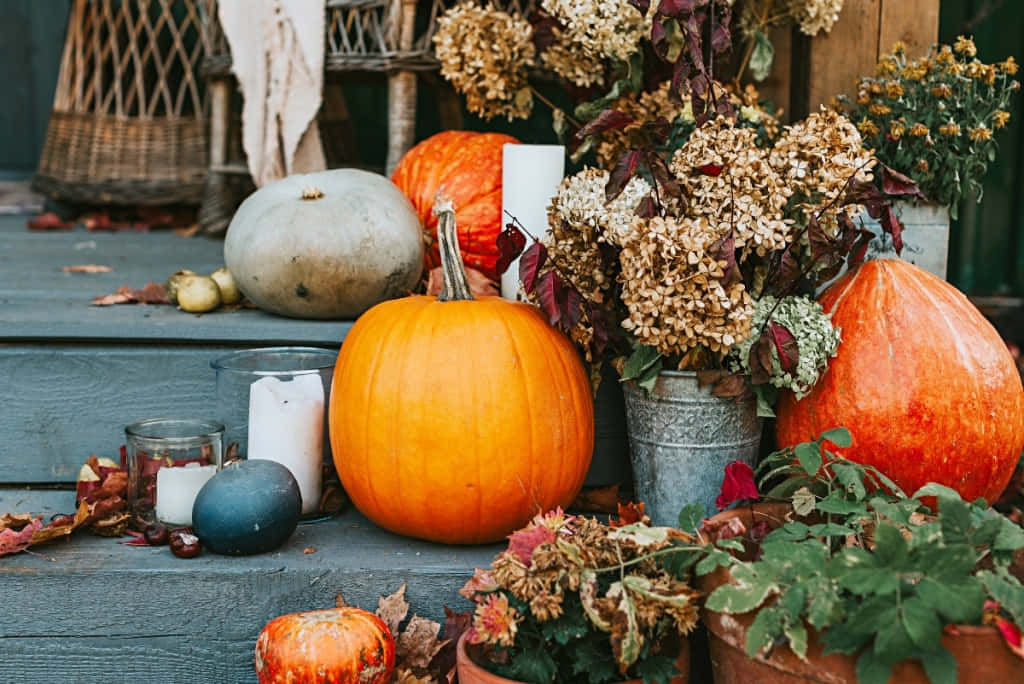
(454, 285)
(311, 192)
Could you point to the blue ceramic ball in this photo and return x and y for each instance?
(248, 507)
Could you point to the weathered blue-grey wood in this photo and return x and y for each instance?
(102, 611)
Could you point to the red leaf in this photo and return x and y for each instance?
(572, 312)
(608, 120)
(549, 292)
(760, 359)
(530, 264)
(892, 225)
(895, 183)
(785, 346)
(646, 208)
(621, 174)
(16, 541)
(628, 514)
(737, 484)
(49, 221)
(510, 243)
(522, 542)
(710, 169)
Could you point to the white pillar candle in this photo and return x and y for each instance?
(176, 490)
(530, 175)
(286, 424)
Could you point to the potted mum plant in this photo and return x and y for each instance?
(576, 600)
(843, 578)
(934, 119)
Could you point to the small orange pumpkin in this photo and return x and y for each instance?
(456, 419)
(338, 645)
(923, 382)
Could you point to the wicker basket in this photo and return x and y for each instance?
(127, 122)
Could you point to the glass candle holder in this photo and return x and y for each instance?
(273, 403)
(169, 461)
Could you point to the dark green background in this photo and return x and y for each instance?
(987, 243)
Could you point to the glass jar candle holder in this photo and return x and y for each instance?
(169, 461)
(273, 403)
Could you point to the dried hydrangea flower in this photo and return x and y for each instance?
(602, 29)
(815, 16)
(675, 291)
(485, 54)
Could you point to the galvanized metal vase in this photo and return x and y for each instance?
(680, 440)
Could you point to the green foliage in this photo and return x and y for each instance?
(874, 571)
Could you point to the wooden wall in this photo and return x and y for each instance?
(31, 40)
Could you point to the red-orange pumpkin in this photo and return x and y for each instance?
(466, 166)
(924, 383)
(335, 646)
(456, 420)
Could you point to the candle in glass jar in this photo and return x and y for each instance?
(176, 490)
(286, 424)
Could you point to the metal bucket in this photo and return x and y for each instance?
(681, 438)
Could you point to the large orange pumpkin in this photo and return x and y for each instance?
(339, 646)
(924, 383)
(456, 420)
(466, 167)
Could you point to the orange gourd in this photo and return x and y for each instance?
(924, 383)
(456, 419)
(465, 167)
(339, 645)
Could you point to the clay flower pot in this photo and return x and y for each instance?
(981, 655)
(470, 672)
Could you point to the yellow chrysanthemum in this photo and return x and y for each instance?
(945, 55)
(1009, 66)
(899, 47)
(980, 134)
(949, 129)
(942, 90)
(893, 90)
(965, 46)
(879, 109)
(919, 130)
(1000, 118)
(867, 127)
(922, 165)
(887, 66)
(914, 72)
(863, 97)
(897, 129)
(876, 88)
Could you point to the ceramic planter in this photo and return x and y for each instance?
(925, 236)
(981, 655)
(680, 440)
(472, 673)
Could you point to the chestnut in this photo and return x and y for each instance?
(184, 543)
(156, 534)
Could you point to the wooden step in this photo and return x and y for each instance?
(89, 609)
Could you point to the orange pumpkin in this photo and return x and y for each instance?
(924, 383)
(339, 645)
(456, 420)
(466, 167)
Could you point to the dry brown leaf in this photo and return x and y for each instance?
(188, 231)
(122, 296)
(15, 521)
(151, 293)
(479, 284)
(406, 676)
(600, 500)
(86, 268)
(16, 541)
(393, 609)
(417, 645)
(49, 221)
(309, 549)
(62, 527)
(339, 601)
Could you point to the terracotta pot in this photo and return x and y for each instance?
(981, 655)
(472, 673)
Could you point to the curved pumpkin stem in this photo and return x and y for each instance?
(454, 285)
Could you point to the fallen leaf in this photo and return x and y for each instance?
(86, 268)
(15, 520)
(16, 541)
(599, 500)
(339, 601)
(393, 609)
(151, 293)
(188, 231)
(405, 676)
(417, 645)
(309, 549)
(49, 221)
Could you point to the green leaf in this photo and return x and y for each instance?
(797, 635)
(809, 455)
(955, 519)
(952, 564)
(890, 547)
(734, 598)
(656, 668)
(985, 533)
(831, 530)
(791, 531)
(1006, 590)
(712, 560)
(839, 436)
(837, 505)
(898, 512)
(804, 501)
(761, 57)
(865, 581)
(766, 627)
(588, 110)
(937, 490)
(785, 489)
(627, 646)
(940, 666)
(691, 516)
(956, 602)
(732, 543)
(1010, 536)
(642, 358)
(892, 643)
(765, 401)
(851, 476)
(921, 623)
(871, 670)
(824, 603)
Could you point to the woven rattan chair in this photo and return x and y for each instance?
(127, 123)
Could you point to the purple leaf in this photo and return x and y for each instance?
(721, 39)
(785, 346)
(571, 311)
(549, 292)
(510, 243)
(892, 226)
(646, 208)
(659, 169)
(530, 264)
(543, 30)
(895, 183)
(621, 174)
(608, 120)
(710, 169)
(642, 5)
(760, 359)
(725, 250)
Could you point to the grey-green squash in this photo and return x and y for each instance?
(325, 245)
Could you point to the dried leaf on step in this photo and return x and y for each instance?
(599, 500)
(151, 293)
(417, 644)
(63, 526)
(15, 521)
(86, 268)
(17, 540)
(406, 676)
(49, 221)
(339, 601)
(393, 609)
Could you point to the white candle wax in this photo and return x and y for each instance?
(176, 490)
(530, 175)
(286, 424)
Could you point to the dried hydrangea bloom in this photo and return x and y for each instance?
(817, 156)
(565, 58)
(485, 53)
(814, 16)
(731, 186)
(599, 29)
(674, 290)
